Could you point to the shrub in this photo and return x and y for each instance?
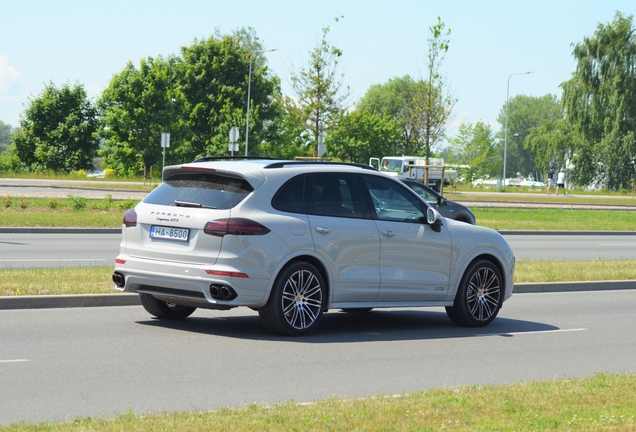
(77, 203)
(109, 172)
(6, 201)
(128, 203)
(54, 203)
(23, 203)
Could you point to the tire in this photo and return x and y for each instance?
(297, 301)
(357, 310)
(479, 296)
(163, 310)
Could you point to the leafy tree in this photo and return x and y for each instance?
(475, 146)
(137, 107)
(600, 105)
(5, 136)
(524, 114)
(552, 143)
(361, 135)
(212, 82)
(287, 136)
(57, 130)
(319, 88)
(396, 99)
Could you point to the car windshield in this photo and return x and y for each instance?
(428, 197)
(200, 190)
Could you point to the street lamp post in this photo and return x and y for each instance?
(249, 83)
(506, 128)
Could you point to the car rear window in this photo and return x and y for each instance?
(205, 190)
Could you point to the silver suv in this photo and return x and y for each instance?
(293, 239)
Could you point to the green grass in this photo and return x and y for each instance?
(97, 280)
(603, 402)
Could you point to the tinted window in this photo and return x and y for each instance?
(392, 201)
(427, 195)
(335, 194)
(290, 197)
(200, 189)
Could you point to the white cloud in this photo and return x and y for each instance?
(10, 78)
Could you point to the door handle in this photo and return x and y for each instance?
(323, 230)
(388, 233)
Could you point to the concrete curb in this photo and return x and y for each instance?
(130, 299)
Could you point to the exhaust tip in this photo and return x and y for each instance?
(222, 292)
(119, 279)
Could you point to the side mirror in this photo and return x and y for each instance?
(434, 219)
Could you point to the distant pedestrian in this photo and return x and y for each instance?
(549, 178)
(561, 182)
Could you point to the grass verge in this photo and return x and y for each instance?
(97, 280)
(603, 402)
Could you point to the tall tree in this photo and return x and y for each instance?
(396, 99)
(287, 136)
(319, 88)
(600, 105)
(137, 106)
(524, 114)
(475, 146)
(57, 130)
(361, 135)
(5, 136)
(435, 105)
(212, 81)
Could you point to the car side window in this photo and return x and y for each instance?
(392, 201)
(290, 197)
(335, 194)
(428, 197)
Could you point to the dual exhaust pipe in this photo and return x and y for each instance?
(222, 292)
(119, 279)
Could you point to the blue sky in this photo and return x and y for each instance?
(89, 41)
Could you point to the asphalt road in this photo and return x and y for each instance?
(89, 249)
(56, 364)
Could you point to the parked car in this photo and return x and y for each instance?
(295, 239)
(448, 209)
(96, 174)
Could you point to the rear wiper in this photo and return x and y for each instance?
(191, 204)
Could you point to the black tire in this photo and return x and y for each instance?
(297, 301)
(479, 296)
(164, 310)
(357, 310)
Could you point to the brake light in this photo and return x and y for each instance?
(120, 261)
(130, 218)
(226, 273)
(236, 226)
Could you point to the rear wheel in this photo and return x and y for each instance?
(164, 310)
(479, 296)
(297, 301)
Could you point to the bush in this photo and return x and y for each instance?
(23, 203)
(54, 203)
(77, 203)
(6, 201)
(109, 172)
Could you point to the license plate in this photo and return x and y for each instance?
(168, 233)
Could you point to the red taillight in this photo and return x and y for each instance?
(226, 273)
(235, 226)
(130, 218)
(120, 261)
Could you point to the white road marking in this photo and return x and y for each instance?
(14, 361)
(532, 332)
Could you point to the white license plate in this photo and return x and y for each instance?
(168, 233)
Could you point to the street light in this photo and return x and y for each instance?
(506, 130)
(249, 82)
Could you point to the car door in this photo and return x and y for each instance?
(345, 236)
(414, 260)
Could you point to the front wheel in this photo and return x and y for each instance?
(479, 296)
(164, 310)
(297, 301)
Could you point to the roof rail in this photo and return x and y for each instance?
(304, 162)
(217, 158)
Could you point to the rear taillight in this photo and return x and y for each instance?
(130, 218)
(235, 226)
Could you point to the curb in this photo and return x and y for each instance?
(131, 299)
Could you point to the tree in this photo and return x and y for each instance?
(396, 99)
(552, 142)
(524, 114)
(360, 135)
(137, 106)
(319, 88)
(57, 130)
(474, 146)
(600, 106)
(5, 136)
(435, 105)
(212, 82)
(287, 136)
